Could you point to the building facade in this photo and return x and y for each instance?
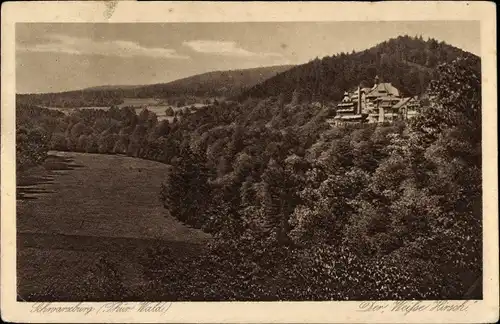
(350, 110)
(380, 103)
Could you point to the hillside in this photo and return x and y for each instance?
(207, 85)
(408, 63)
(211, 84)
(113, 87)
(281, 192)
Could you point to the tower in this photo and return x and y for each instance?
(359, 101)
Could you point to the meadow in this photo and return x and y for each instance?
(156, 106)
(79, 215)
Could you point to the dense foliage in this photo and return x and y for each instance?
(73, 99)
(299, 210)
(409, 63)
(33, 131)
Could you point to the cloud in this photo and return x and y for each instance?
(225, 48)
(86, 46)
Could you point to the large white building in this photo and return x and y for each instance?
(380, 103)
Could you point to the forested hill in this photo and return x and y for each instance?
(207, 85)
(409, 63)
(211, 84)
(285, 194)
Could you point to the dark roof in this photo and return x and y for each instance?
(403, 102)
(383, 89)
(346, 98)
(387, 98)
(344, 103)
(345, 111)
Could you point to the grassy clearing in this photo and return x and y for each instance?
(81, 214)
(155, 105)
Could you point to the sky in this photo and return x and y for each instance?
(70, 56)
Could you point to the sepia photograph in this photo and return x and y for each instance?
(249, 161)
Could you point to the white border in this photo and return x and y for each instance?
(252, 312)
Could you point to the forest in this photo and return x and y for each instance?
(73, 99)
(300, 210)
(409, 63)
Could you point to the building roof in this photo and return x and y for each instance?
(402, 102)
(348, 110)
(346, 104)
(346, 98)
(383, 89)
(387, 98)
(351, 117)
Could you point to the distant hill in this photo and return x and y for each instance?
(112, 87)
(409, 63)
(206, 85)
(211, 84)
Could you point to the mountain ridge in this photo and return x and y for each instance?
(409, 63)
(222, 83)
(209, 73)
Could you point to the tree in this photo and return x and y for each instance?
(31, 147)
(106, 143)
(77, 130)
(169, 112)
(456, 100)
(278, 197)
(92, 146)
(162, 129)
(143, 116)
(121, 144)
(58, 142)
(186, 191)
(81, 145)
(296, 97)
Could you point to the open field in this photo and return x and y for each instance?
(155, 105)
(80, 214)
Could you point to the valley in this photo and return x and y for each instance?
(77, 209)
(357, 176)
